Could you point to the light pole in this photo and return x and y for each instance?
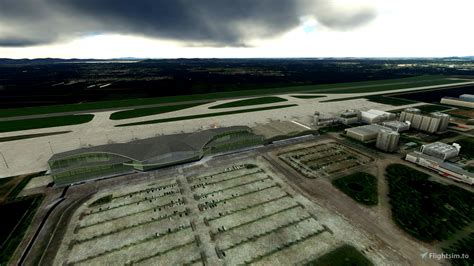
(51, 148)
(4, 160)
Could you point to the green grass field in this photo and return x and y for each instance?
(426, 209)
(308, 96)
(342, 256)
(368, 86)
(14, 225)
(141, 112)
(429, 108)
(467, 148)
(181, 118)
(462, 246)
(31, 136)
(36, 123)
(249, 102)
(362, 187)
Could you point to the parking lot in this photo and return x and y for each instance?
(143, 224)
(252, 219)
(212, 214)
(324, 159)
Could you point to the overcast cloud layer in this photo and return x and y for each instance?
(209, 22)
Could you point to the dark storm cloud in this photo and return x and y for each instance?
(212, 22)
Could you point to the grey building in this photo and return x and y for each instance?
(431, 123)
(365, 133)
(441, 150)
(350, 117)
(387, 140)
(446, 169)
(397, 126)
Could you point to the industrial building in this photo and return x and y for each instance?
(467, 97)
(365, 133)
(441, 150)
(387, 140)
(121, 158)
(431, 123)
(350, 117)
(323, 120)
(376, 116)
(397, 126)
(466, 100)
(445, 169)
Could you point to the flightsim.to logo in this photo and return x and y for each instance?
(440, 256)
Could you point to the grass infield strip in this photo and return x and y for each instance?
(36, 123)
(173, 119)
(141, 112)
(362, 187)
(336, 87)
(249, 102)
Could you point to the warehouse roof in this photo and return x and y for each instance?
(368, 129)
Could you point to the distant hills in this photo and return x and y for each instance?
(76, 60)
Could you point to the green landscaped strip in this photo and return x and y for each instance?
(429, 108)
(376, 99)
(389, 87)
(308, 96)
(378, 85)
(362, 187)
(181, 118)
(345, 255)
(47, 122)
(250, 102)
(25, 208)
(140, 112)
(31, 136)
(425, 209)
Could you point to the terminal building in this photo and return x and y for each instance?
(142, 155)
(431, 123)
(376, 116)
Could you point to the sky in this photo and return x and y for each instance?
(235, 28)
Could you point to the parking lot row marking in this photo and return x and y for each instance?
(144, 240)
(167, 205)
(246, 208)
(174, 184)
(200, 196)
(161, 253)
(260, 218)
(172, 193)
(285, 246)
(118, 230)
(231, 178)
(203, 205)
(273, 230)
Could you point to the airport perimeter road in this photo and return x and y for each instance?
(323, 193)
